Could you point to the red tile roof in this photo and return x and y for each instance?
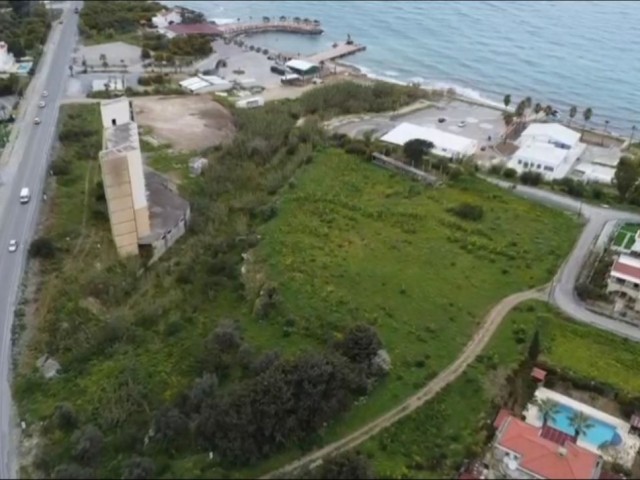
(538, 374)
(503, 414)
(626, 269)
(543, 457)
(194, 29)
(556, 436)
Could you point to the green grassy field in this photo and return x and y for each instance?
(353, 242)
(435, 440)
(626, 236)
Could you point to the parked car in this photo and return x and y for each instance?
(37, 121)
(41, 104)
(462, 124)
(442, 120)
(13, 245)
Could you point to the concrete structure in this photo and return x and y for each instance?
(524, 451)
(146, 215)
(206, 84)
(547, 148)
(396, 166)
(193, 29)
(339, 50)
(113, 84)
(167, 17)
(593, 173)
(446, 144)
(252, 102)
(303, 68)
(7, 62)
(624, 280)
(233, 29)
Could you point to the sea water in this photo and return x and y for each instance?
(558, 52)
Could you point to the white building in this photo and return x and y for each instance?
(549, 149)
(252, 102)
(7, 62)
(166, 17)
(445, 144)
(624, 280)
(205, 84)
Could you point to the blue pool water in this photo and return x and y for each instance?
(24, 67)
(601, 432)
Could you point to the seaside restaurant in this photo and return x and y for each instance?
(306, 70)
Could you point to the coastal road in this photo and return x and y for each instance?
(25, 165)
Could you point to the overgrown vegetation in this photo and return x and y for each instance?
(110, 21)
(197, 355)
(161, 48)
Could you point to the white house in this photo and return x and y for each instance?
(624, 280)
(553, 133)
(166, 17)
(445, 144)
(7, 62)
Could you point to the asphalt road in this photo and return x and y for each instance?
(26, 165)
(563, 288)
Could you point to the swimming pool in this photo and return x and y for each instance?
(24, 67)
(599, 435)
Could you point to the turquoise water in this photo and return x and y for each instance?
(563, 53)
(24, 67)
(601, 432)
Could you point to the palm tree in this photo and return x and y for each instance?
(606, 125)
(573, 111)
(587, 114)
(283, 18)
(548, 110)
(507, 117)
(528, 102)
(633, 131)
(581, 423)
(506, 100)
(547, 408)
(537, 108)
(521, 109)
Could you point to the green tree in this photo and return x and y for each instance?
(507, 118)
(138, 468)
(415, 150)
(64, 417)
(537, 108)
(507, 100)
(581, 423)
(360, 343)
(534, 346)
(521, 109)
(528, 102)
(626, 176)
(87, 444)
(547, 408)
(587, 114)
(170, 428)
(72, 471)
(573, 111)
(42, 247)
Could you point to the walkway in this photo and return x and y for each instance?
(234, 29)
(448, 375)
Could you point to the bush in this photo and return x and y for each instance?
(138, 468)
(531, 178)
(42, 247)
(87, 444)
(495, 169)
(468, 211)
(64, 417)
(72, 471)
(510, 173)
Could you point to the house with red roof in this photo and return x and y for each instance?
(624, 280)
(167, 17)
(525, 451)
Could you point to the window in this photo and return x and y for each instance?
(539, 167)
(635, 285)
(526, 164)
(113, 122)
(548, 169)
(519, 161)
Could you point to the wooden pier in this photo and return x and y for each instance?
(341, 50)
(232, 30)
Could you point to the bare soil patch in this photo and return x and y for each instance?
(186, 122)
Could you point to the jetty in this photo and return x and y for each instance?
(231, 30)
(339, 50)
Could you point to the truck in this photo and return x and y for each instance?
(25, 195)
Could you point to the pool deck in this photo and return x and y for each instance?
(624, 454)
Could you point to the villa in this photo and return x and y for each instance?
(445, 144)
(624, 279)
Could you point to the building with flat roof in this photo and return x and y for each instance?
(206, 84)
(624, 280)
(553, 133)
(445, 144)
(131, 191)
(303, 67)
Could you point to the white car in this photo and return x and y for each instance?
(37, 121)
(13, 245)
(45, 93)
(462, 124)
(41, 104)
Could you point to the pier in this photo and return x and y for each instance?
(341, 50)
(232, 30)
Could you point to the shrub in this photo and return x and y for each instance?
(138, 468)
(87, 444)
(496, 169)
(510, 173)
(468, 211)
(64, 417)
(42, 247)
(530, 178)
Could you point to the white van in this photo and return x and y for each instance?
(25, 195)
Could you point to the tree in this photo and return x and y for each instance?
(72, 471)
(534, 346)
(226, 337)
(87, 444)
(548, 111)
(521, 109)
(530, 178)
(547, 408)
(586, 115)
(573, 111)
(537, 108)
(345, 466)
(360, 344)
(507, 101)
(138, 468)
(468, 211)
(42, 247)
(528, 102)
(203, 390)
(170, 427)
(416, 149)
(626, 176)
(507, 118)
(103, 60)
(64, 417)
(145, 54)
(581, 423)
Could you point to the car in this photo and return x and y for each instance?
(462, 124)
(41, 104)
(13, 245)
(37, 121)
(483, 148)
(442, 120)
(45, 93)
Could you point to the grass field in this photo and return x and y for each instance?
(435, 440)
(626, 236)
(353, 243)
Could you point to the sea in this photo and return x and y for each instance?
(563, 53)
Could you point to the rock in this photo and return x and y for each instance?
(48, 366)
(381, 363)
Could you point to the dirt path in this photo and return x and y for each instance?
(448, 375)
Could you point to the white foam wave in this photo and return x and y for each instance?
(391, 73)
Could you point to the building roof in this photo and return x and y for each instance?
(301, 65)
(596, 173)
(543, 457)
(627, 268)
(166, 207)
(557, 132)
(544, 153)
(538, 374)
(502, 415)
(194, 29)
(120, 136)
(556, 436)
(442, 140)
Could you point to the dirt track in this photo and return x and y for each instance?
(448, 375)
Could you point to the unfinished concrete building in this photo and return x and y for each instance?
(145, 211)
